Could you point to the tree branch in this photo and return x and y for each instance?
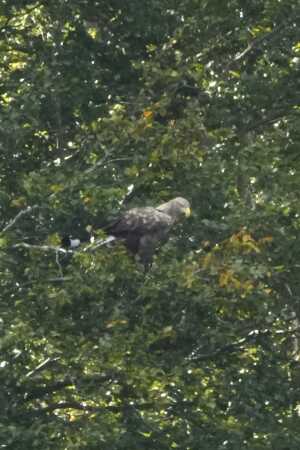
(105, 161)
(259, 40)
(22, 213)
(99, 243)
(41, 388)
(274, 117)
(19, 16)
(78, 406)
(82, 406)
(238, 346)
(89, 248)
(45, 248)
(42, 366)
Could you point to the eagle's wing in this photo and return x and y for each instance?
(141, 221)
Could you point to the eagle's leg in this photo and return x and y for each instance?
(146, 250)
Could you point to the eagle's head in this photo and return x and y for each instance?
(176, 208)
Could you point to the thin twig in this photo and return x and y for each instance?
(43, 387)
(58, 264)
(259, 40)
(59, 279)
(78, 406)
(42, 366)
(238, 345)
(104, 161)
(12, 222)
(82, 406)
(19, 16)
(99, 243)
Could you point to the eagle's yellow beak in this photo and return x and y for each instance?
(187, 212)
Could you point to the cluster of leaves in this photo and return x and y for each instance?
(108, 105)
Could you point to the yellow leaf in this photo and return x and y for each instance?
(132, 171)
(92, 32)
(268, 291)
(87, 200)
(207, 260)
(168, 331)
(296, 47)
(6, 98)
(266, 239)
(18, 202)
(73, 418)
(225, 278)
(147, 435)
(2, 242)
(56, 188)
(236, 283)
(18, 65)
(148, 114)
(151, 47)
(247, 237)
(247, 286)
(235, 238)
(114, 323)
(253, 247)
(234, 74)
(53, 239)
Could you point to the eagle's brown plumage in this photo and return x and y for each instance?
(143, 229)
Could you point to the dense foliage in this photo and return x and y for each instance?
(107, 105)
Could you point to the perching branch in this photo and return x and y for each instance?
(45, 248)
(22, 213)
(99, 243)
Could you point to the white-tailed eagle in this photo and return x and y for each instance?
(143, 229)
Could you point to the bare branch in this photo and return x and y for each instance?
(89, 248)
(22, 213)
(46, 248)
(59, 264)
(83, 406)
(255, 43)
(5, 24)
(274, 117)
(259, 40)
(99, 243)
(42, 366)
(75, 405)
(103, 162)
(59, 279)
(239, 345)
(42, 387)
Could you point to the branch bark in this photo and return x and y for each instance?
(41, 388)
(45, 248)
(22, 213)
(239, 345)
(259, 40)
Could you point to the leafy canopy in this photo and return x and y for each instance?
(111, 105)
